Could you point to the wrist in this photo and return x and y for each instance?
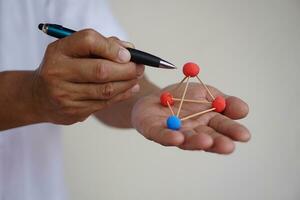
(19, 107)
(33, 102)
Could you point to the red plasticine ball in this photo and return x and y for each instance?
(191, 69)
(166, 97)
(219, 104)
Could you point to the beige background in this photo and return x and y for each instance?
(249, 49)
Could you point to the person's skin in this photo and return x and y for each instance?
(84, 74)
(79, 75)
(119, 114)
(211, 132)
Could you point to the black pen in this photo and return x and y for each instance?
(137, 56)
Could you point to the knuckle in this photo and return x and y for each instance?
(111, 48)
(113, 38)
(108, 90)
(89, 32)
(101, 72)
(89, 36)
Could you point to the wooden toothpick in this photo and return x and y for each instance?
(197, 114)
(210, 94)
(179, 84)
(192, 101)
(184, 92)
(170, 108)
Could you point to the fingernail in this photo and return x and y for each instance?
(124, 55)
(140, 70)
(135, 88)
(127, 44)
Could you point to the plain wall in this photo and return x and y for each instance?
(250, 49)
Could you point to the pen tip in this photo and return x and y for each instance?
(41, 26)
(167, 65)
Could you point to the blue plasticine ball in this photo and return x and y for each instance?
(173, 122)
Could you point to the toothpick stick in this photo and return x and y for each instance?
(213, 98)
(184, 92)
(183, 80)
(192, 101)
(170, 108)
(180, 83)
(197, 114)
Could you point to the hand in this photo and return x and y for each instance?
(211, 132)
(81, 74)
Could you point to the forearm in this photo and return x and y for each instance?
(119, 115)
(16, 101)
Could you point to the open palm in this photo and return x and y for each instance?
(212, 131)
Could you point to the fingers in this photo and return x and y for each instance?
(196, 141)
(89, 42)
(221, 132)
(221, 144)
(92, 106)
(218, 137)
(102, 91)
(100, 71)
(207, 139)
(236, 108)
(123, 96)
(160, 134)
(85, 108)
(230, 128)
(74, 60)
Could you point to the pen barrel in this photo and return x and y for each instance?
(59, 31)
(137, 56)
(141, 57)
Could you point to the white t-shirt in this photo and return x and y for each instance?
(31, 157)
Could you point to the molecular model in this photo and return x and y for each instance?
(174, 122)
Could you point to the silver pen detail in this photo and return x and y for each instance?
(167, 65)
